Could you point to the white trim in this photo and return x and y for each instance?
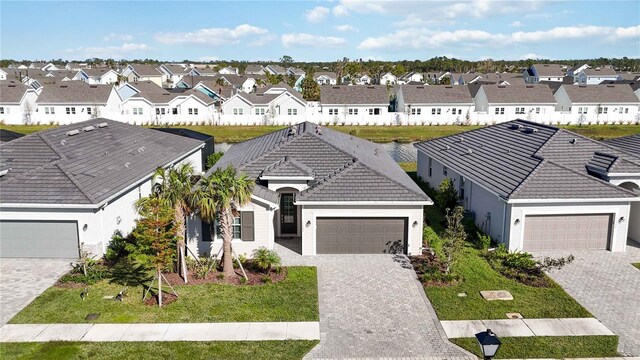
(275, 177)
(265, 201)
(49, 206)
(624, 174)
(347, 203)
(569, 201)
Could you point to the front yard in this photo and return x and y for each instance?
(160, 350)
(293, 299)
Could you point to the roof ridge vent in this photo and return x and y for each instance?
(530, 130)
(573, 141)
(469, 151)
(141, 149)
(73, 132)
(516, 126)
(102, 125)
(88, 128)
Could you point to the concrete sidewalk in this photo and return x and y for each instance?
(526, 327)
(245, 331)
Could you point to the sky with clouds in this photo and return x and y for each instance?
(319, 30)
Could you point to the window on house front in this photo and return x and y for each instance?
(236, 228)
(430, 167)
(238, 111)
(333, 111)
(259, 111)
(583, 110)
(519, 110)
(453, 111)
(416, 111)
(175, 111)
(626, 110)
(353, 111)
(89, 110)
(374, 111)
(603, 110)
(71, 110)
(1, 109)
(292, 111)
(445, 171)
(537, 110)
(436, 111)
(499, 111)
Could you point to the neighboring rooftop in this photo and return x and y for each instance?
(11, 92)
(74, 92)
(354, 95)
(526, 160)
(101, 159)
(629, 144)
(443, 94)
(598, 94)
(344, 167)
(519, 94)
(549, 70)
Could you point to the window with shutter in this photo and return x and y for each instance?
(247, 226)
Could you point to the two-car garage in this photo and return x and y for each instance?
(38, 239)
(355, 235)
(567, 232)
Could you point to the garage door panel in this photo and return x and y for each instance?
(359, 235)
(39, 239)
(566, 232)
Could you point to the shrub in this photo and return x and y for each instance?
(213, 159)
(95, 273)
(266, 259)
(447, 196)
(117, 247)
(482, 240)
(523, 267)
(431, 270)
(265, 279)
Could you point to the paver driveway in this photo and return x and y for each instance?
(371, 307)
(608, 286)
(22, 280)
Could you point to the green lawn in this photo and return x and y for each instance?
(293, 299)
(235, 134)
(159, 350)
(637, 265)
(557, 347)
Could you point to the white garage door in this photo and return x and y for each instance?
(550, 232)
(39, 239)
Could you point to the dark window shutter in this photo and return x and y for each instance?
(206, 231)
(246, 219)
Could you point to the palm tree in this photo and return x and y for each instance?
(221, 193)
(174, 189)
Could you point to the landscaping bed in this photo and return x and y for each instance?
(294, 298)
(289, 349)
(557, 347)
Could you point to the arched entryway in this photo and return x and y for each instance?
(634, 211)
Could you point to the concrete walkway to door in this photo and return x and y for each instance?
(371, 307)
(22, 280)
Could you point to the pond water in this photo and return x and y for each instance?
(400, 152)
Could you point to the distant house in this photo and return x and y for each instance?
(435, 77)
(320, 191)
(412, 76)
(202, 71)
(244, 83)
(275, 70)
(172, 73)
(75, 101)
(254, 70)
(3, 74)
(278, 104)
(295, 71)
(503, 102)
(72, 187)
(229, 70)
(325, 77)
(595, 104)
(575, 70)
(388, 79)
(139, 72)
(17, 102)
(97, 76)
(594, 76)
(354, 105)
(435, 104)
(544, 72)
(534, 187)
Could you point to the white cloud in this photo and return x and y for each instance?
(308, 40)
(534, 56)
(317, 14)
(516, 24)
(340, 10)
(122, 37)
(115, 52)
(425, 38)
(262, 40)
(345, 27)
(212, 36)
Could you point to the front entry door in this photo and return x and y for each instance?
(288, 215)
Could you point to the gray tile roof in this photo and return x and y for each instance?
(287, 167)
(521, 159)
(153, 92)
(629, 144)
(519, 94)
(51, 167)
(11, 92)
(549, 70)
(354, 95)
(146, 70)
(74, 92)
(600, 72)
(326, 154)
(436, 94)
(609, 93)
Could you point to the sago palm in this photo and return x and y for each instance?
(220, 195)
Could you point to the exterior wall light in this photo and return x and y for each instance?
(516, 222)
(308, 223)
(118, 220)
(85, 227)
(415, 223)
(621, 219)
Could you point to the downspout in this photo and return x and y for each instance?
(504, 218)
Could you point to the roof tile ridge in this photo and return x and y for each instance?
(533, 172)
(546, 143)
(629, 157)
(393, 181)
(281, 142)
(75, 182)
(337, 173)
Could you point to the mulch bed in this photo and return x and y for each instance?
(71, 285)
(256, 277)
(167, 298)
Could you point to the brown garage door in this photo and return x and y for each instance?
(361, 235)
(549, 232)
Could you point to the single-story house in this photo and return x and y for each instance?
(354, 105)
(499, 103)
(444, 104)
(535, 187)
(17, 102)
(76, 185)
(320, 191)
(597, 104)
